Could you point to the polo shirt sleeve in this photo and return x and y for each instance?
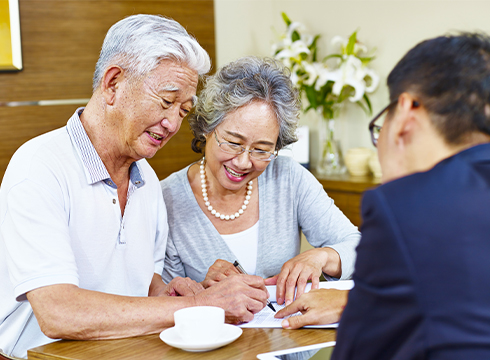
(36, 235)
(161, 233)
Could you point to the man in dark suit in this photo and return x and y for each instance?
(423, 262)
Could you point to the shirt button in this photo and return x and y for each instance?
(113, 201)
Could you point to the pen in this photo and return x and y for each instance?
(242, 271)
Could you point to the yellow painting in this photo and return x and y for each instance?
(10, 48)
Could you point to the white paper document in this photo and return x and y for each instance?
(265, 318)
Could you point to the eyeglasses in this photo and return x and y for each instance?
(376, 129)
(235, 149)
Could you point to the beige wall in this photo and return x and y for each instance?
(246, 27)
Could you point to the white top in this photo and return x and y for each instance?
(244, 246)
(60, 223)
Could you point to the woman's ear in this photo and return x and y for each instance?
(110, 82)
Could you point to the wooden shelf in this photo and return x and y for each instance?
(346, 191)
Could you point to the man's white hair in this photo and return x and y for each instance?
(139, 42)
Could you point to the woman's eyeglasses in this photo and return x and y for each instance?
(236, 149)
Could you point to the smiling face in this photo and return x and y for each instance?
(253, 126)
(149, 111)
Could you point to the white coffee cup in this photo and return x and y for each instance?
(199, 324)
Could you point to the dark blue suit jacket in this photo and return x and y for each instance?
(422, 275)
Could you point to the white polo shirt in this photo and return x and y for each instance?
(61, 223)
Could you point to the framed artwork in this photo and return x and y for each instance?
(10, 47)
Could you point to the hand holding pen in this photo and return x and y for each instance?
(242, 271)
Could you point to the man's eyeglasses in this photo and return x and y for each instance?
(236, 149)
(375, 129)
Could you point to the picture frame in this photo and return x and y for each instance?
(10, 43)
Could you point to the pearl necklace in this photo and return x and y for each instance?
(206, 199)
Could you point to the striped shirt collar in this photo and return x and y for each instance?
(94, 167)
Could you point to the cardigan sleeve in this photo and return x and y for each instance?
(322, 222)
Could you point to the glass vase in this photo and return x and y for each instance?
(331, 160)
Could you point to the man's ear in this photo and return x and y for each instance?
(406, 120)
(110, 82)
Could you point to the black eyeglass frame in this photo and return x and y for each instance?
(372, 126)
(251, 152)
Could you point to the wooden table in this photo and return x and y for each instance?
(346, 191)
(150, 347)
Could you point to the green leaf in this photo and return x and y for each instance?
(367, 59)
(368, 102)
(332, 56)
(313, 48)
(362, 106)
(295, 36)
(311, 96)
(350, 45)
(313, 43)
(286, 19)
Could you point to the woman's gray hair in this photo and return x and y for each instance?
(239, 83)
(139, 42)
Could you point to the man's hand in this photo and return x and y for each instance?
(220, 270)
(319, 307)
(181, 287)
(240, 296)
(296, 272)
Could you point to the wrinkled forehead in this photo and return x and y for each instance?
(175, 88)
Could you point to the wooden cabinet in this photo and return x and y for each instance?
(346, 191)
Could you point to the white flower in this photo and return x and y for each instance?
(374, 80)
(313, 71)
(307, 39)
(295, 26)
(325, 76)
(344, 69)
(294, 51)
(339, 40)
(349, 73)
(295, 79)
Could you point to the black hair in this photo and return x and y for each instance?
(451, 77)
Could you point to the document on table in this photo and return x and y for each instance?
(265, 318)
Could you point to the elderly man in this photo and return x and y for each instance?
(82, 220)
(422, 266)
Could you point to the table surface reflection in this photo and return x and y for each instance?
(150, 347)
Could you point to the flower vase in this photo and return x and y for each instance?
(331, 159)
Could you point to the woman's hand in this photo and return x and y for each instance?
(319, 307)
(295, 273)
(220, 270)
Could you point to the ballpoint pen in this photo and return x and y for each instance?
(242, 271)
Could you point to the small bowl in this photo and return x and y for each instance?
(356, 161)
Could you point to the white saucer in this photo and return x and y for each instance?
(172, 338)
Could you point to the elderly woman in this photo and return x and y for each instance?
(243, 202)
